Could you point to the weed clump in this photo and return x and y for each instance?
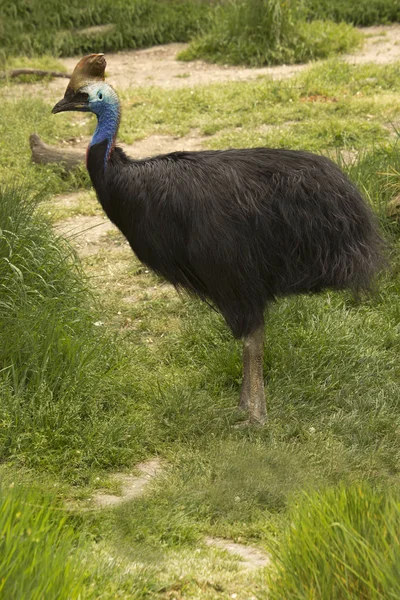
(340, 543)
(264, 32)
(63, 406)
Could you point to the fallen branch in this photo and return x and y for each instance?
(39, 72)
(43, 154)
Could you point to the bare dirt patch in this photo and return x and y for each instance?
(67, 201)
(251, 558)
(132, 486)
(153, 144)
(163, 144)
(381, 46)
(85, 232)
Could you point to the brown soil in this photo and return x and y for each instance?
(158, 66)
(382, 46)
(86, 233)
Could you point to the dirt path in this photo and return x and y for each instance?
(382, 46)
(132, 486)
(158, 66)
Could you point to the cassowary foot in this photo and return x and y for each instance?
(254, 420)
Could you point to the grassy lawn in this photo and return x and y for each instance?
(161, 375)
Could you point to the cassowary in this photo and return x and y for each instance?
(238, 228)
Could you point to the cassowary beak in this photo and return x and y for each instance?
(70, 101)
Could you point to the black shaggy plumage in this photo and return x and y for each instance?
(241, 227)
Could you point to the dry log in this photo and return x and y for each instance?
(39, 72)
(43, 154)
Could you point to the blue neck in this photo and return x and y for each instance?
(108, 116)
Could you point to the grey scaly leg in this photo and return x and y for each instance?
(244, 402)
(252, 394)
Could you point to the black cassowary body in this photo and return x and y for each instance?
(237, 227)
(240, 227)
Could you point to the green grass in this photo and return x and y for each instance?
(48, 27)
(255, 32)
(323, 108)
(63, 406)
(45, 62)
(340, 543)
(46, 554)
(265, 32)
(39, 550)
(21, 117)
(362, 13)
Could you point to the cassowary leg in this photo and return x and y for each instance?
(252, 394)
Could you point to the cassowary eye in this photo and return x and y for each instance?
(100, 95)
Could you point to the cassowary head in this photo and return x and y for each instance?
(87, 90)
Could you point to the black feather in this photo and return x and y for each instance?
(241, 227)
